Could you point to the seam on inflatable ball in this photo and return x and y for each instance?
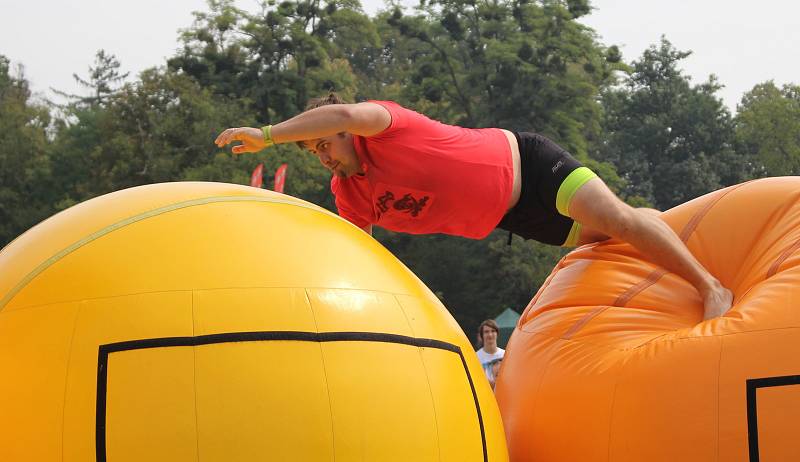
(656, 338)
(324, 368)
(421, 351)
(773, 269)
(639, 287)
(134, 219)
(694, 222)
(129, 294)
(78, 309)
(194, 370)
(622, 366)
(583, 321)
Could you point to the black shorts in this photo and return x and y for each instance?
(545, 167)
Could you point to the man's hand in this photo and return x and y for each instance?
(252, 139)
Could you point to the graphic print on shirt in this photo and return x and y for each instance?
(397, 202)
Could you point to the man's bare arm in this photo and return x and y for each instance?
(364, 119)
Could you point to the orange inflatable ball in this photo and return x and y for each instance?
(213, 322)
(611, 361)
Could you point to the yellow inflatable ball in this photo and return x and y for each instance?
(215, 322)
(612, 361)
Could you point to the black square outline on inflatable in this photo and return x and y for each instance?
(752, 407)
(105, 350)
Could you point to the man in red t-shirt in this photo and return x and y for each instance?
(400, 170)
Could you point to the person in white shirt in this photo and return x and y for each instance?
(490, 354)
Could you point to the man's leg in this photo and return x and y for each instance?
(588, 235)
(601, 212)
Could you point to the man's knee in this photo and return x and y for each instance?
(595, 206)
(623, 220)
(649, 211)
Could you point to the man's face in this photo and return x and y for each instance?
(489, 336)
(336, 153)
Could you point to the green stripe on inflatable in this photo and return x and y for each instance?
(570, 186)
(142, 216)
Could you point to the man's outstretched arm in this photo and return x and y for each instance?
(364, 119)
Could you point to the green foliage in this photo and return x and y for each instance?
(212, 52)
(276, 60)
(512, 64)
(148, 132)
(669, 140)
(103, 81)
(768, 129)
(25, 168)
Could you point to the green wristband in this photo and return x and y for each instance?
(267, 131)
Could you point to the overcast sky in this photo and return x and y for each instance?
(743, 43)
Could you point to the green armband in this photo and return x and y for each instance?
(267, 131)
(571, 184)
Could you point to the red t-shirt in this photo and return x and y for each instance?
(422, 176)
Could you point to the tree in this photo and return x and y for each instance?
(160, 129)
(514, 64)
(768, 129)
(275, 60)
(669, 140)
(212, 52)
(148, 132)
(25, 169)
(103, 81)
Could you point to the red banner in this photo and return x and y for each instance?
(257, 178)
(280, 178)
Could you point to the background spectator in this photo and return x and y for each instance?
(489, 354)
